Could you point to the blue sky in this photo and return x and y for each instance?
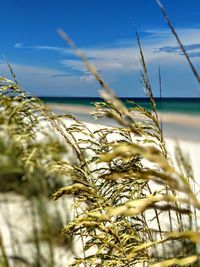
(104, 30)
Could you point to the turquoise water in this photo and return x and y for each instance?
(174, 105)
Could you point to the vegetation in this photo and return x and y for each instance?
(27, 146)
(131, 207)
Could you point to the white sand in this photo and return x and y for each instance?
(191, 149)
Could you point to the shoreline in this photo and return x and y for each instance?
(172, 117)
(176, 126)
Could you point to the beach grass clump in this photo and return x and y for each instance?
(28, 145)
(132, 206)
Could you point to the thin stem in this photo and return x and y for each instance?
(178, 40)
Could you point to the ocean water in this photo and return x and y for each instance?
(190, 106)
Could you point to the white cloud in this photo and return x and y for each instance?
(73, 64)
(124, 58)
(18, 45)
(87, 78)
(63, 50)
